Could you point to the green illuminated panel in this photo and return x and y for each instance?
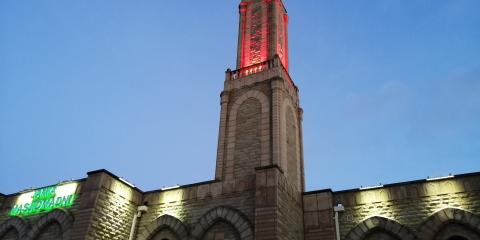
(45, 199)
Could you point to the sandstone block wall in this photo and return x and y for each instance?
(407, 210)
(278, 211)
(290, 213)
(192, 206)
(114, 203)
(263, 206)
(318, 215)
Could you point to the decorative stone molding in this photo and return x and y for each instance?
(227, 214)
(60, 216)
(16, 223)
(164, 222)
(439, 219)
(382, 224)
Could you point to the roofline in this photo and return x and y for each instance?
(182, 186)
(463, 175)
(33, 189)
(151, 191)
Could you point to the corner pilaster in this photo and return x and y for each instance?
(224, 99)
(276, 86)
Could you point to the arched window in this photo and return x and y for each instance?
(11, 234)
(165, 234)
(450, 224)
(457, 231)
(13, 228)
(380, 235)
(223, 223)
(374, 228)
(457, 238)
(221, 230)
(52, 231)
(165, 227)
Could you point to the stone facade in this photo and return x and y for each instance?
(259, 189)
(436, 209)
(266, 208)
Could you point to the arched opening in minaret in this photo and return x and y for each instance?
(247, 138)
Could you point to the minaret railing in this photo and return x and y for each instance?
(258, 68)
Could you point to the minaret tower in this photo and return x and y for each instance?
(260, 137)
(260, 122)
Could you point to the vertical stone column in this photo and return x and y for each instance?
(300, 134)
(222, 135)
(276, 87)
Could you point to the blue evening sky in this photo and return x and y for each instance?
(390, 89)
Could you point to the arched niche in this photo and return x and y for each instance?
(450, 224)
(57, 220)
(377, 227)
(13, 227)
(228, 216)
(164, 227)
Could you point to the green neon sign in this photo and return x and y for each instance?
(44, 200)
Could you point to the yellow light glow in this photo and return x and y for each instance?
(173, 195)
(371, 196)
(66, 189)
(433, 197)
(24, 198)
(122, 189)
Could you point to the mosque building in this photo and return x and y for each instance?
(258, 191)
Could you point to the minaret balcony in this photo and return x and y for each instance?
(257, 72)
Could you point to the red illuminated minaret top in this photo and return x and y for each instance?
(262, 33)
